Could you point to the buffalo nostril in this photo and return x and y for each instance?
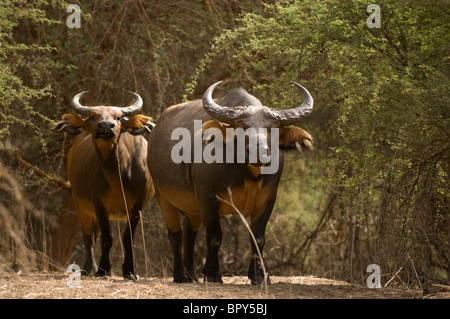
(106, 124)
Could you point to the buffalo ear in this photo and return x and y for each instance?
(213, 124)
(71, 124)
(139, 124)
(295, 138)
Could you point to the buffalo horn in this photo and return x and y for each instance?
(284, 116)
(292, 116)
(220, 113)
(85, 110)
(77, 107)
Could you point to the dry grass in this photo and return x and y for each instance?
(54, 286)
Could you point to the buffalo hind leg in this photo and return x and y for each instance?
(90, 266)
(90, 233)
(172, 218)
(191, 227)
(211, 220)
(176, 243)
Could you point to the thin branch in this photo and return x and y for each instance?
(55, 179)
(393, 277)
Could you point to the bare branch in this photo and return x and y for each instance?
(39, 172)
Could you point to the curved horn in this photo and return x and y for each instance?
(127, 110)
(220, 113)
(77, 107)
(292, 116)
(135, 107)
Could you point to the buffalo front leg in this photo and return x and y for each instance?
(106, 240)
(211, 220)
(258, 227)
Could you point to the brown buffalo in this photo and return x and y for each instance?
(107, 169)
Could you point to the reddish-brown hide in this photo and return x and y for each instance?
(107, 169)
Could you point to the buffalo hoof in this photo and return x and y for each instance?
(256, 274)
(185, 277)
(102, 273)
(131, 276)
(216, 279)
(181, 279)
(89, 270)
(191, 276)
(87, 273)
(260, 281)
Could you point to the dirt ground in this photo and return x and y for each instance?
(54, 286)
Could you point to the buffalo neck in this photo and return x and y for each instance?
(108, 157)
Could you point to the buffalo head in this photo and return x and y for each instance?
(105, 123)
(260, 121)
